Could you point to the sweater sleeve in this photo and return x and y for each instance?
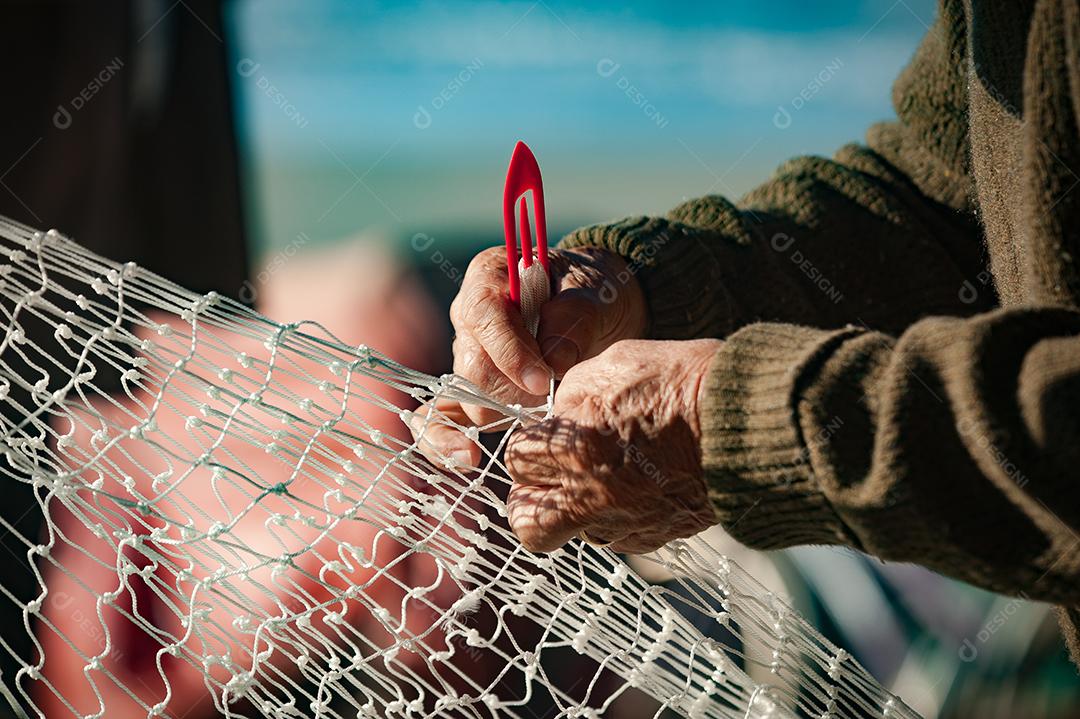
(881, 234)
(953, 445)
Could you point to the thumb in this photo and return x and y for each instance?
(571, 328)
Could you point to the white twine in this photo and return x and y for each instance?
(307, 401)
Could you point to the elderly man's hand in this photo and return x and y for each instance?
(621, 457)
(595, 302)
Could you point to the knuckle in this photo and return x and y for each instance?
(459, 308)
(575, 379)
(490, 254)
(467, 365)
(466, 356)
(507, 352)
(529, 453)
(517, 450)
(594, 408)
(484, 265)
(455, 311)
(583, 401)
(475, 302)
(481, 313)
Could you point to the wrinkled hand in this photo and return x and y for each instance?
(595, 302)
(590, 308)
(621, 457)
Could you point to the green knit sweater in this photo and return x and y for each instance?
(881, 386)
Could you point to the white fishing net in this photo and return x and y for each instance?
(244, 527)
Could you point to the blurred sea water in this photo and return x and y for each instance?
(402, 116)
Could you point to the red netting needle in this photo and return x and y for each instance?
(523, 175)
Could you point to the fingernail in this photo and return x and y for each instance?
(560, 353)
(536, 380)
(462, 457)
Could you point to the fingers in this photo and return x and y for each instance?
(544, 509)
(436, 439)
(474, 364)
(484, 311)
(539, 516)
(537, 506)
(433, 424)
(544, 517)
(570, 328)
(582, 319)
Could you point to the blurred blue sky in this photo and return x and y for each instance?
(333, 96)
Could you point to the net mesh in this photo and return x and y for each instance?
(235, 521)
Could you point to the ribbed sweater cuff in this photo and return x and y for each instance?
(756, 460)
(678, 275)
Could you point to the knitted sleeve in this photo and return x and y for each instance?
(953, 445)
(881, 234)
